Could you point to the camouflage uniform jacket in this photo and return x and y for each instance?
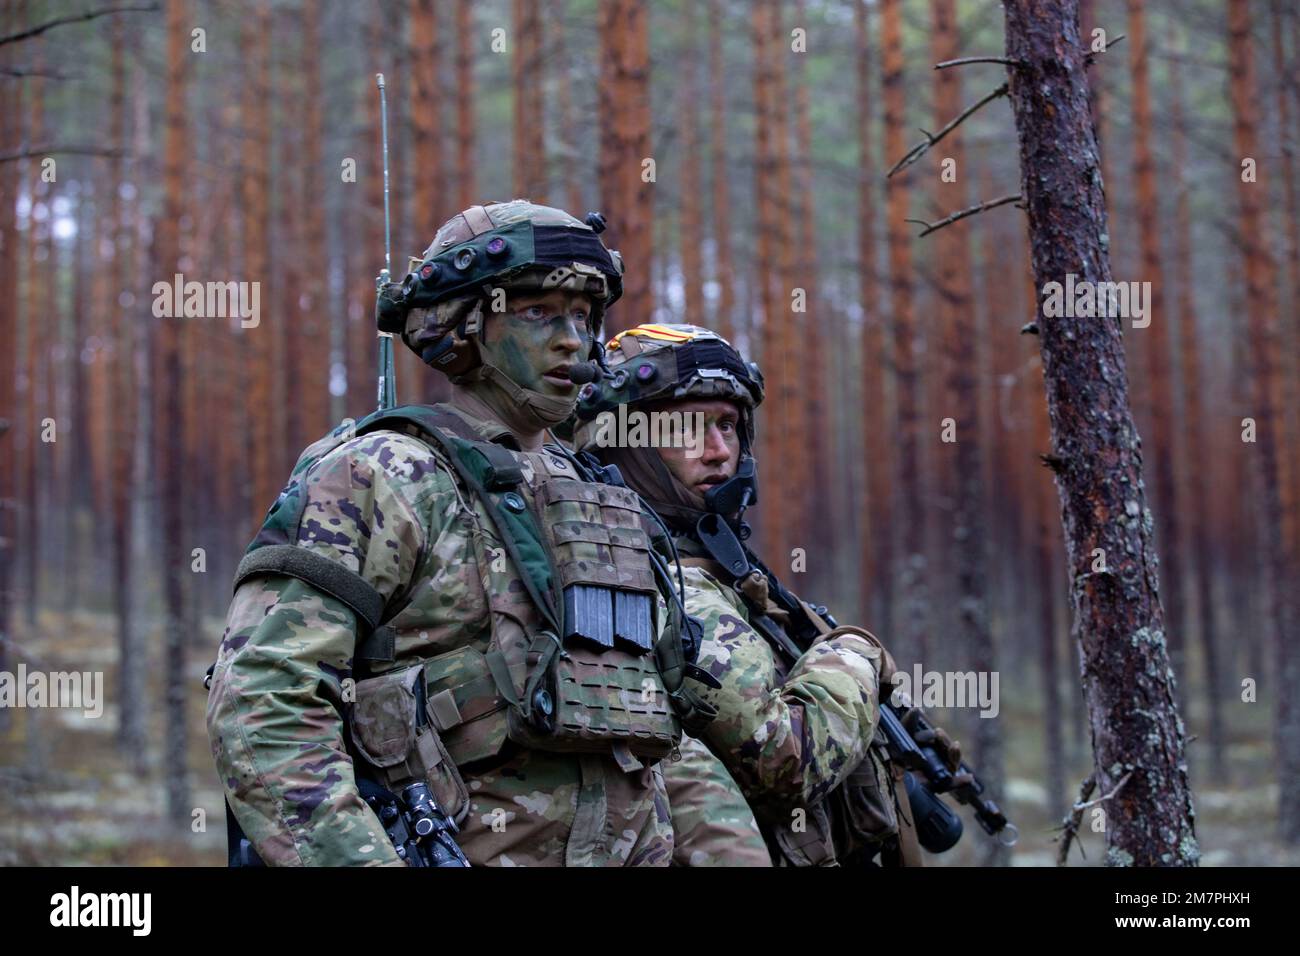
(713, 825)
(788, 738)
(387, 507)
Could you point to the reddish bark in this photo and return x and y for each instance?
(1266, 403)
(1137, 734)
(626, 195)
(877, 552)
(911, 515)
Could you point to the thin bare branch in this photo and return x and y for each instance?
(1118, 787)
(1091, 58)
(76, 18)
(919, 150)
(60, 151)
(964, 213)
(1070, 826)
(44, 74)
(1007, 61)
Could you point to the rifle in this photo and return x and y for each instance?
(419, 829)
(926, 773)
(421, 833)
(964, 785)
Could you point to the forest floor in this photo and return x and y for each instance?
(69, 797)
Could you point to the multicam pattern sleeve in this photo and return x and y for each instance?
(712, 823)
(277, 691)
(787, 740)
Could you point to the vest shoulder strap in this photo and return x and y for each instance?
(492, 473)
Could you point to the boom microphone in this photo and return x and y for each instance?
(580, 373)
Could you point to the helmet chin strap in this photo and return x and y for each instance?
(539, 410)
(730, 498)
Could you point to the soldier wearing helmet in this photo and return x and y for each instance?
(441, 606)
(795, 729)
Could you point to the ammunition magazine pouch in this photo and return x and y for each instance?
(863, 809)
(858, 819)
(392, 731)
(807, 840)
(596, 683)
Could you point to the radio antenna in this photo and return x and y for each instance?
(387, 373)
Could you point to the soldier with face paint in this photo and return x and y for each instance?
(440, 604)
(797, 720)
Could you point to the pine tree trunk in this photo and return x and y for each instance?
(427, 183)
(10, 435)
(1287, 88)
(1195, 493)
(626, 199)
(1159, 344)
(78, 479)
(1046, 583)
(571, 138)
(171, 424)
(1138, 737)
(768, 275)
(34, 366)
(1266, 403)
(690, 233)
(810, 336)
(724, 322)
(783, 365)
(911, 515)
(312, 341)
(528, 81)
(410, 379)
(263, 452)
(962, 460)
(131, 733)
(466, 128)
(1099, 105)
(877, 551)
(286, 239)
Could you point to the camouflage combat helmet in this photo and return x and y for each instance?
(661, 363)
(653, 362)
(516, 246)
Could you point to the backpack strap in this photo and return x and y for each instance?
(330, 578)
(492, 473)
(377, 643)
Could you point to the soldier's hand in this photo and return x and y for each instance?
(887, 670)
(391, 307)
(949, 750)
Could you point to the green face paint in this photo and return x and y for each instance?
(537, 336)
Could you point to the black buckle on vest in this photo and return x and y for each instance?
(503, 471)
(722, 544)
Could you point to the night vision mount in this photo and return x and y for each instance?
(468, 265)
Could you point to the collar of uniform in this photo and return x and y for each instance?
(490, 429)
(687, 545)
